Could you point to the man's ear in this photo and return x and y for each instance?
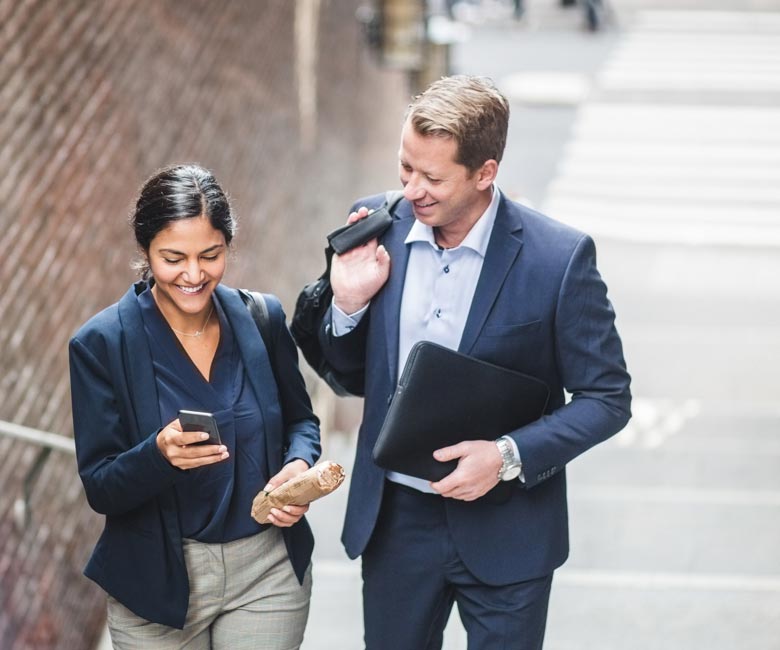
(486, 174)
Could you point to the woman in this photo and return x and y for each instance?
(181, 559)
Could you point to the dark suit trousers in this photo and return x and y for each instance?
(412, 574)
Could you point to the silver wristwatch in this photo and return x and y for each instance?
(510, 466)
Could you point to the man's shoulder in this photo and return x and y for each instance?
(531, 218)
(371, 201)
(539, 227)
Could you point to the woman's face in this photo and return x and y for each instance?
(187, 260)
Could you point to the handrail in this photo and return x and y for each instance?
(47, 439)
(48, 442)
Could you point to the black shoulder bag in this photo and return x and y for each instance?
(316, 297)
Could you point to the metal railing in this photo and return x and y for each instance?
(47, 442)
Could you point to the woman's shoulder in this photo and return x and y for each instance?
(106, 324)
(98, 336)
(106, 320)
(230, 297)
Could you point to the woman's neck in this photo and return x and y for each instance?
(180, 321)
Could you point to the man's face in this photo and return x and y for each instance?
(443, 193)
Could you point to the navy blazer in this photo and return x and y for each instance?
(139, 559)
(540, 307)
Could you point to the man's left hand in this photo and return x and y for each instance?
(477, 472)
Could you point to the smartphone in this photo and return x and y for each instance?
(200, 421)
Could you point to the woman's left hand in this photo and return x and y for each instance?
(290, 514)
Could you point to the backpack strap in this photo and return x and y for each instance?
(255, 303)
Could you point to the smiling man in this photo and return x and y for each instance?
(465, 267)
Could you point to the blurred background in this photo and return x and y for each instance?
(654, 125)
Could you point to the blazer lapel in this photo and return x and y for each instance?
(389, 299)
(142, 389)
(256, 362)
(250, 343)
(502, 251)
(138, 361)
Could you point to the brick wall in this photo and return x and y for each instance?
(94, 96)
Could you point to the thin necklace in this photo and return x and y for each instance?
(196, 333)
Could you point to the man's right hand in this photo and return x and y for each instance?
(358, 274)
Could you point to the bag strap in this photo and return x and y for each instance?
(258, 309)
(255, 303)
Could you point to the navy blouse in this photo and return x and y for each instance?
(214, 501)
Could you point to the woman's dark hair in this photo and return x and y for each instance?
(179, 192)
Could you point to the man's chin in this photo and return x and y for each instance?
(425, 215)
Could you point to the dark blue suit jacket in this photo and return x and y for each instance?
(138, 558)
(540, 307)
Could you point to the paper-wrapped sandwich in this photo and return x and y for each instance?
(308, 486)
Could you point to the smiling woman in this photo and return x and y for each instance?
(183, 226)
(180, 340)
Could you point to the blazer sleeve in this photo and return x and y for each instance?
(347, 353)
(589, 356)
(301, 426)
(118, 472)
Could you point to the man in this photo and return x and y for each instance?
(467, 268)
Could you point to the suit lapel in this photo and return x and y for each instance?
(502, 251)
(142, 390)
(257, 364)
(250, 344)
(390, 297)
(138, 361)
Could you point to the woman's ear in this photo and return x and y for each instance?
(140, 263)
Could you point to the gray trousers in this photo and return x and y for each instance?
(243, 595)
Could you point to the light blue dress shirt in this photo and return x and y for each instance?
(438, 290)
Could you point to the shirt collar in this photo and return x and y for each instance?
(477, 238)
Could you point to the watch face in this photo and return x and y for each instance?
(511, 473)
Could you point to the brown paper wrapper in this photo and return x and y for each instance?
(308, 486)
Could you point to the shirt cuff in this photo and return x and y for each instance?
(342, 323)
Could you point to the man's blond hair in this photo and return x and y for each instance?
(468, 109)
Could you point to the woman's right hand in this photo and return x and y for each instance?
(180, 448)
